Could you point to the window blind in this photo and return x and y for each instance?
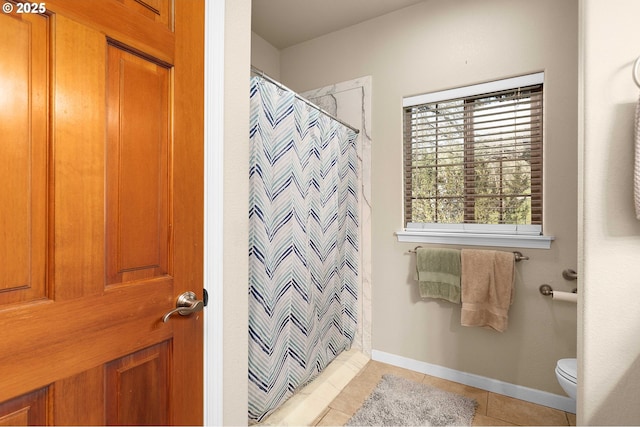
(475, 159)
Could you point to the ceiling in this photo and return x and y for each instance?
(284, 23)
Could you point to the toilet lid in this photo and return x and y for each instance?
(568, 368)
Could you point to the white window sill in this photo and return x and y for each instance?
(476, 239)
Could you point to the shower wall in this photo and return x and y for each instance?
(350, 101)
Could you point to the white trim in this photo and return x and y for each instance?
(496, 386)
(476, 239)
(478, 89)
(531, 230)
(213, 202)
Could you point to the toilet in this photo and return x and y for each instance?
(567, 374)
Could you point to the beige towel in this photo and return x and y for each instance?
(487, 288)
(636, 170)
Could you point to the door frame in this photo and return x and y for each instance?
(213, 209)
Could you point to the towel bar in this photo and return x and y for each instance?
(519, 257)
(516, 254)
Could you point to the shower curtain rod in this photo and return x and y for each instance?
(300, 97)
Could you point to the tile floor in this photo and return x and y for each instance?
(493, 409)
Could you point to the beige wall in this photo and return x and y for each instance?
(236, 210)
(265, 56)
(436, 45)
(609, 370)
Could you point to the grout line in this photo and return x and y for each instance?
(496, 417)
(566, 415)
(321, 416)
(486, 404)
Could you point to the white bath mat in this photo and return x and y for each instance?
(400, 402)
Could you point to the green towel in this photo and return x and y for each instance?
(439, 273)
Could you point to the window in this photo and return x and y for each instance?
(473, 158)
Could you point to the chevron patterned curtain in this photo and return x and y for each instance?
(303, 244)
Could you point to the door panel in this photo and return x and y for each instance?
(138, 168)
(23, 119)
(137, 388)
(101, 165)
(29, 409)
(158, 10)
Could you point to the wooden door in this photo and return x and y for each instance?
(101, 168)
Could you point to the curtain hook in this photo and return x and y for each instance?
(635, 71)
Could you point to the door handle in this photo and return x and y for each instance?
(186, 304)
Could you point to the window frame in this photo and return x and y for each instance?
(511, 235)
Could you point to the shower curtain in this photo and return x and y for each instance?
(303, 244)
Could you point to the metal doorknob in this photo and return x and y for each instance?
(186, 304)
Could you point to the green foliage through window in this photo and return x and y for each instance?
(476, 159)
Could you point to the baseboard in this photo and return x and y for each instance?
(539, 397)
